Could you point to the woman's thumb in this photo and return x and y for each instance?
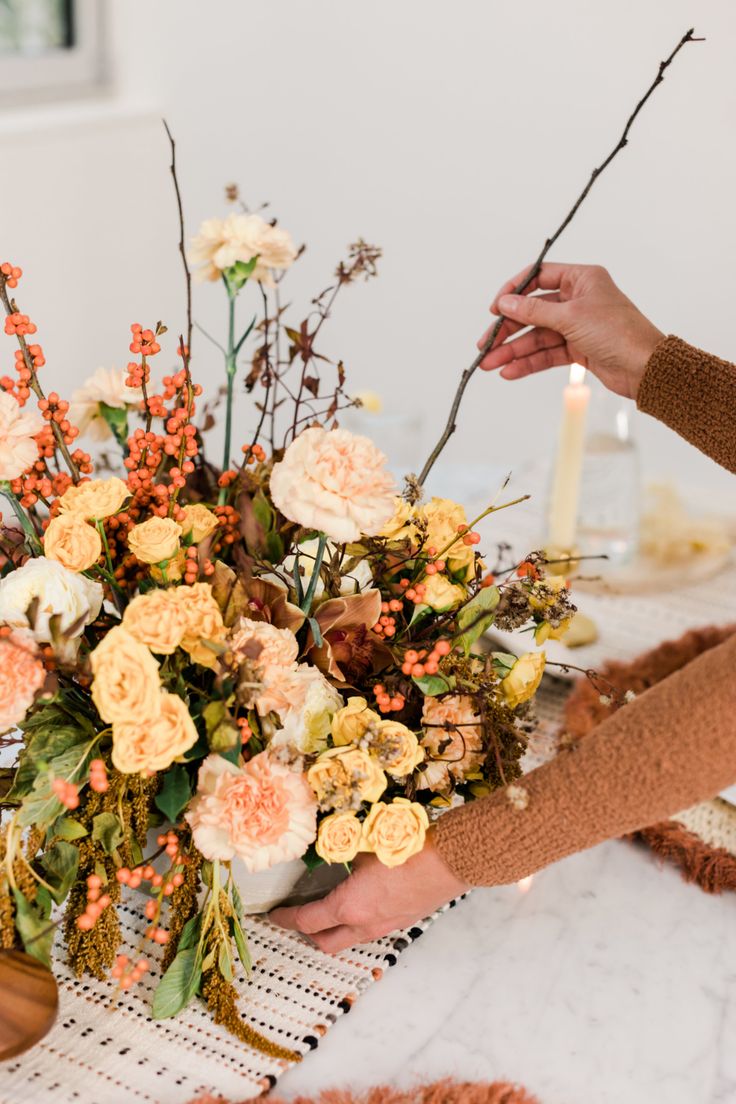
(532, 310)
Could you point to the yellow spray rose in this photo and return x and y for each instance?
(71, 541)
(343, 775)
(204, 622)
(442, 517)
(198, 522)
(156, 619)
(350, 723)
(395, 832)
(146, 745)
(338, 839)
(397, 748)
(545, 631)
(126, 685)
(441, 594)
(523, 679)
(155, 541)
(96, 498)
(401, 525)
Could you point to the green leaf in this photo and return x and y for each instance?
(60, 865)
(242, 944)
(420, 612)
(34, 929)
(178, 985)
(432, 685)
(237, 901)
(477, 617)
(58, 744)
(225, 960)
(190, 932)
(503, 663)
(67, 828)
(274, 550)
(222, 733)
(175, 792)
(117, 420)
(107, 831)
(205, 873)
(263, 511)
(311, 859)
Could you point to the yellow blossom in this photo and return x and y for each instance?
(96, 498)
(71, 541)
(350, 723)
(395, 832)
(338, 839)
(155, 541)
(198, 522)
(523, 679)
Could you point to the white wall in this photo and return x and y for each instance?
(455, 135)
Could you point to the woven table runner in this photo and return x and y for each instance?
(105, 1049)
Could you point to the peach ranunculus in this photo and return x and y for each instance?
(396, 831)
(72, 542)
(126, 685)
(263, 812)
(147, 745)
(339, 838)
(105, 387)
(18, 428)
(221, 243)
(442, 517)
(198, 522)
(21, 677)
(452, 741)
(334, 482)
(343, 778)
(205, 631)
(155, 541)
(157, 619)
(96, 498)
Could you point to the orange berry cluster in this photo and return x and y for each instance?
(98, 776)
(227, 478)
(21, 387)
(66, 792)
(254, 454)
(468, 535)
(421, 663)
(245, 730)
(11, 273)
(388, 703)
(126, 975)
(229, 531)
(386, 624)
(414, 593)
(19, 324)
(488, 580)
(96, 904)
(143, 341)
(527, 570)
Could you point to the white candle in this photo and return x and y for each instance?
(565, 496)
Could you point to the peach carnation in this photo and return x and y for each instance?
(263, 812)
(273, 653)
(21, 676)
(221, 243)
(18, 427)
(452, 741)
(334, 482)
(146, 745)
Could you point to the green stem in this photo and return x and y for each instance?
(230, 369)
(32, 540)
(320, 555)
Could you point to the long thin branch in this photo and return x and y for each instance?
(534, 270)
(187, 349)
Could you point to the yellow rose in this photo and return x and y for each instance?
(395, 832)
(441, 594)
(126, 685)
(147, 745)
(71, 541)
(523, 679)
(442, 517)
(343, 777)
(204, 624)
(338, 839)
(396, 748)
(97, 498)
(401, 525)
(545, 631)
(173, 571)
(155, 541)
(350, 723)
(156, 619)
(198, 522)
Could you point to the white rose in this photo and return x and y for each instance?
(308, 727)
(60, 592)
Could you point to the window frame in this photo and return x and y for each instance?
(64, 71)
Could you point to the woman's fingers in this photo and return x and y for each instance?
(509, 327)
(521, 347)
(315, 917)
(338, 939)
(537, 362)
(549, 278)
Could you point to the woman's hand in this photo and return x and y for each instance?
(375, 900)
(581, 316)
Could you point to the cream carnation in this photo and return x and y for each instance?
(18, 427)
(61, 593)
(146, 745)
(105, 387)
(263, 813)
(21, 677)
(335, 482)
(221, 243)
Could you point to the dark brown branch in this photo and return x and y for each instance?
(534, 270)
(187, 346)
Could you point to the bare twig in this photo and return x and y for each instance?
(534, 270)
(187, 346)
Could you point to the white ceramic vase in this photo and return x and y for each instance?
(287, 883)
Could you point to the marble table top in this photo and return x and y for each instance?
(605, 980)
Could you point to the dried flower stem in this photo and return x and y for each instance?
(535, 268)
(186, 351)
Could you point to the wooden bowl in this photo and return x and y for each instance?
(29, 1002)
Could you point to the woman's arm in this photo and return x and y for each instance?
(580, 315)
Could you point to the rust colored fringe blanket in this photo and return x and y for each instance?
(712, 868)
(440, 1092)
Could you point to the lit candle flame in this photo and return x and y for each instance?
(525, 883)
(577, 374)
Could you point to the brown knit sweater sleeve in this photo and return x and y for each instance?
(671, 747)
(693, 393)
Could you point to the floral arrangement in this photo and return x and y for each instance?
(211, 669)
